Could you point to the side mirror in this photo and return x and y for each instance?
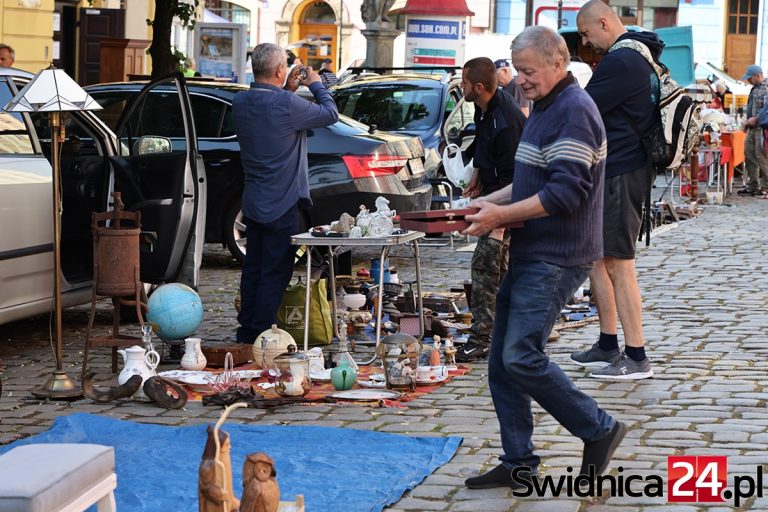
(150, 144)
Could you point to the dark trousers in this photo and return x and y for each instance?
(267, 271)
(530, 298)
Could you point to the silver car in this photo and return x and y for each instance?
(168, 186)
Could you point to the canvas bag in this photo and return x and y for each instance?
(454, 166)
(671, 142)
(290, 316)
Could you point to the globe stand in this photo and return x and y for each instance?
(174, 351)
(115, 274)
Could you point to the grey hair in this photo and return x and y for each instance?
(720, 83)
(10, 50)
(548, 44)
(265, 58)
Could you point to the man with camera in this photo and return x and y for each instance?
(271, 123)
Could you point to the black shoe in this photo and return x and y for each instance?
(499, 476)
(471, 351)
(598, 453)
(747, 192)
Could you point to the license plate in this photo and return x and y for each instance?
(416, 165)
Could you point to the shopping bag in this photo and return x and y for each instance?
(291, 315)
(454, 167)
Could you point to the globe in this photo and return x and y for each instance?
(174, 311)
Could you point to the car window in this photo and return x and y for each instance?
(210, 115)
(458, 120)
(14, 137)
(112, 106)
(392, 106)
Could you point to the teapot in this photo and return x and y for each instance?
(138, 361)
(193, 359)
(343, 376)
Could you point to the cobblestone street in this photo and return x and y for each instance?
(705, 293)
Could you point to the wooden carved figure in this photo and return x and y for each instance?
(260, 490)
(214, 487)
(434, 354)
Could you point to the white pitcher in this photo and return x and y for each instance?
(193, 359)
(138, 361)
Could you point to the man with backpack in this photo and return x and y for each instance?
(625, 89)
(755, 159)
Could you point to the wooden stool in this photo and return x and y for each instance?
(58, 478)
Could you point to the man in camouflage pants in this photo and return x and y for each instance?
(499, 123)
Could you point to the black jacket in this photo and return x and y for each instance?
(497, 133)
(624, 86)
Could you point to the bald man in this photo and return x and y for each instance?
(625, 89)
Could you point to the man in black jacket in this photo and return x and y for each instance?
(498, 125)
(625, 89)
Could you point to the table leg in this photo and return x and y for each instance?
(308, 254)
(334, 305)
(380, 295)
(419, 301)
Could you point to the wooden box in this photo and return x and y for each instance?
(215, 353)
(441, 221)
(436, 221)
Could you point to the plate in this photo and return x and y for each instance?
(366, 394)
(200, 378)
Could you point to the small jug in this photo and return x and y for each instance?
(138, 361)
(343, 376)
(193, 359)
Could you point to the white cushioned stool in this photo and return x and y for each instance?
(57, 478)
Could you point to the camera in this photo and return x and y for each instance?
(302, 74)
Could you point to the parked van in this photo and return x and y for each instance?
(677, 54)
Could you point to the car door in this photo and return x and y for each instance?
(160, 173)
(26, 227)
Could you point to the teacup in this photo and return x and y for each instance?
(431, 373)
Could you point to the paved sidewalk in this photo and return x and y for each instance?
(705, 290)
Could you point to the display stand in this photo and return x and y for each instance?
(336, 244)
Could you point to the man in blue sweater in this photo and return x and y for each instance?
(558, 193)
(626, 90)
(270, 122)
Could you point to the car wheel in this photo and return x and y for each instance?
(234, 231)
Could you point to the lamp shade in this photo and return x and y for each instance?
(52, 90)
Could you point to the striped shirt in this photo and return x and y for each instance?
(561, 157)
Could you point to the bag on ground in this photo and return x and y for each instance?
(291, 315)
(670, 142)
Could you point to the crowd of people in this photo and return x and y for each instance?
(581, 172)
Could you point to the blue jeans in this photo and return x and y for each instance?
(530, 298)
(267, 271)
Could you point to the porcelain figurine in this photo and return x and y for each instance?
(450, 354)
(434, 354)
(345, 223)
(138, 361)
(356, 232)
(363, 218)
(260, 490)
(193, 359)
(380, 223)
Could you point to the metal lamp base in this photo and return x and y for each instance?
(58, 387)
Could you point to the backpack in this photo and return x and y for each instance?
(670, 142)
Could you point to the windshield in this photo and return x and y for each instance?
(391, 107)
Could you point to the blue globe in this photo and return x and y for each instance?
(174, 311)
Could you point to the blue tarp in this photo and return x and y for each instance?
(334, 468)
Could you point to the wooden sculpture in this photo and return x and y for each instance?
(260, 490)
(214, 488)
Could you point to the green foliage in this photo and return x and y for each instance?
(184, 11)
